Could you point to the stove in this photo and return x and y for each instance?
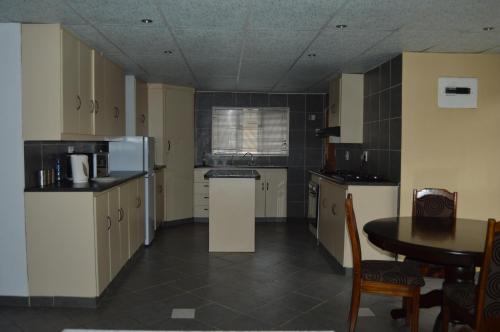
(351, 176)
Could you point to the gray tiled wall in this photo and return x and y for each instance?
(43, 154)
(306, 150)
(381, 124)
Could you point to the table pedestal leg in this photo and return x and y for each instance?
(434, 298)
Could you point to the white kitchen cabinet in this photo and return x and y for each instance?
(370, 202)
(270, 193)
(159, 197)
(345, 108)
(155, 119)
(78, 241)
(65, 89)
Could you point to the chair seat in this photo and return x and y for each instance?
(391, 272)
(463, 295)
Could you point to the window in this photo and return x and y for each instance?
(261, 131)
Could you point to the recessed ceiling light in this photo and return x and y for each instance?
(341, 26)
(168, 52)
(311, 55)
(147, 20)
(488, 28)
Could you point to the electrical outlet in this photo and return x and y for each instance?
(347, 155)
(71, 149)
(364, 156)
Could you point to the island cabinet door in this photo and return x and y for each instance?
(102, 224)
(114, 232)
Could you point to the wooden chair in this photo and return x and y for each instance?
(439, 204)
(381, 277)
(478, 306)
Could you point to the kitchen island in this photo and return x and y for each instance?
(231, 219)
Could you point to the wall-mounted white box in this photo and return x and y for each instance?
(457, 92)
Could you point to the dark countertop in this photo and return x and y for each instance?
(91, 186)
(239, 166)
(232, 173)
(351, 183)
(158, 167)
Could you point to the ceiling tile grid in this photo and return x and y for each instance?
(93, 38)
(39, 11)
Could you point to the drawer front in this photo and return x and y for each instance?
(199, 174)
(201, 189)
(200, 211)
(201, 199)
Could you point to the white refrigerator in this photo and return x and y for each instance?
(137, 153)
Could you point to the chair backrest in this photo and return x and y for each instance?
(488, 300)
(435, 203)
(353, 236)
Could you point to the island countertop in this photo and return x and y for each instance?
(232, 173)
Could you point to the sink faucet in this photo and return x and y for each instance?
(251, 158)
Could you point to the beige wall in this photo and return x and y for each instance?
(457, 149)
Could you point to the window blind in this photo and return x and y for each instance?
(262, 131)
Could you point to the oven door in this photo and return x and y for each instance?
(312, 207)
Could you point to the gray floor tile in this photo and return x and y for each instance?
(297, 302)
(216, 315)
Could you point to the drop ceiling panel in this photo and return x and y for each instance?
(213, 66)
(122, 12)
(218, 83)
(139, 39)
(254, 85)
(39, 11)
(271, 70)
(129, 65)
(93, 38)
(170, 65)
(205, 13)
(468, 42)
(341, 46)
(212, 43)
(269, 45)
(292, 14)
(375, 15)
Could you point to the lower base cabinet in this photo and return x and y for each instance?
(77, 242)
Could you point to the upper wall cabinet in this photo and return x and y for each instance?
(69, 90)
(345, 107)
(141, 108)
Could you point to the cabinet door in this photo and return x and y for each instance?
(326, 228)
(124, 222)
(141, 229)
(133, 216)
(155, 119)
(107, 109)
(71, 101)
(159, 198)
(260, 194)
(141, 108)
(102, 224)
(85, 76)
(276, 193)
(114, 232)
(120, 101)
(98, 94)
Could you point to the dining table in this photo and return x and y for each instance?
(456, 244)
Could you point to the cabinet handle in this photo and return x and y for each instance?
(96, 106)
(117, 112)
(334, 206)
(169, 145)
(267, 186)
(92, 106)
(206, 197)
(205, 209)
(120, 214)
(78, 103)
(205, 185)
(262, 186)
(143, 118)
(109, 222)
(139, 202)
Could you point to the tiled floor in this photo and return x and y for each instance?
(287, 284)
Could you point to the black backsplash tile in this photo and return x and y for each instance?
(384, 134)
(396, 102)
(32, 163)
(301, 135)
(395, 167)
(396, 70)
(297, 102)
(395, 130)
(385, 105)
(385, 76)
(278, 100)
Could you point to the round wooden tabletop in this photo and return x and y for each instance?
(458, 242)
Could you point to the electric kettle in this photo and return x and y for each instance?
(80, 168)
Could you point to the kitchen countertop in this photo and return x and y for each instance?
(239, 166)
(232, 173)
(352, 183)
(91, 186)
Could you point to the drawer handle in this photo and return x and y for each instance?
(120, 214)
(108, 219)
(334, 206)
(78, 103)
